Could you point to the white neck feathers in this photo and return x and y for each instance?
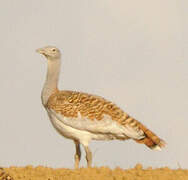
(52, 77)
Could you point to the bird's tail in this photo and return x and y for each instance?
(150, 140)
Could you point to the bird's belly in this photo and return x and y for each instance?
(82, 136)
(63, 129)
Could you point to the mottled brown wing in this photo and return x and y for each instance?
(69, 103)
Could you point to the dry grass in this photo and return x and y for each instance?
(102, 173)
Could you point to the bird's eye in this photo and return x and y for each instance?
(53, 50)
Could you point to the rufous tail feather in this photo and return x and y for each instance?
(151, 140)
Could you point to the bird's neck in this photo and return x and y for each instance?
(52, 77)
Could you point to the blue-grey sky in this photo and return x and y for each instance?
(134, 53)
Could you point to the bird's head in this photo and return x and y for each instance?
(50, 52)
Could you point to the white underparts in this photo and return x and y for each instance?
(157, 148)
(85, 130)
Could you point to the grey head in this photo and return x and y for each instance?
(50, 52)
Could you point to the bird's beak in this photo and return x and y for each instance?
(40, 51)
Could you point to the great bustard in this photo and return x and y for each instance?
(84, 117)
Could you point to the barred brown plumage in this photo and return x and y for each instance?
(83, 117)
(69, 103)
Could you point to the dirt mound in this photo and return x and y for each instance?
(102, 173)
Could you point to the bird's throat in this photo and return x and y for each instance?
(51, 83)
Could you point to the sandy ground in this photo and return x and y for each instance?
(102, 173)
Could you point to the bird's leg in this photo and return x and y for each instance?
(88, 156)
(77, 155)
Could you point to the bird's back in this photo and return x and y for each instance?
(70, 103)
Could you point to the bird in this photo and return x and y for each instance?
(83, 117)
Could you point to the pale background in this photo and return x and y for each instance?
(134, 53)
